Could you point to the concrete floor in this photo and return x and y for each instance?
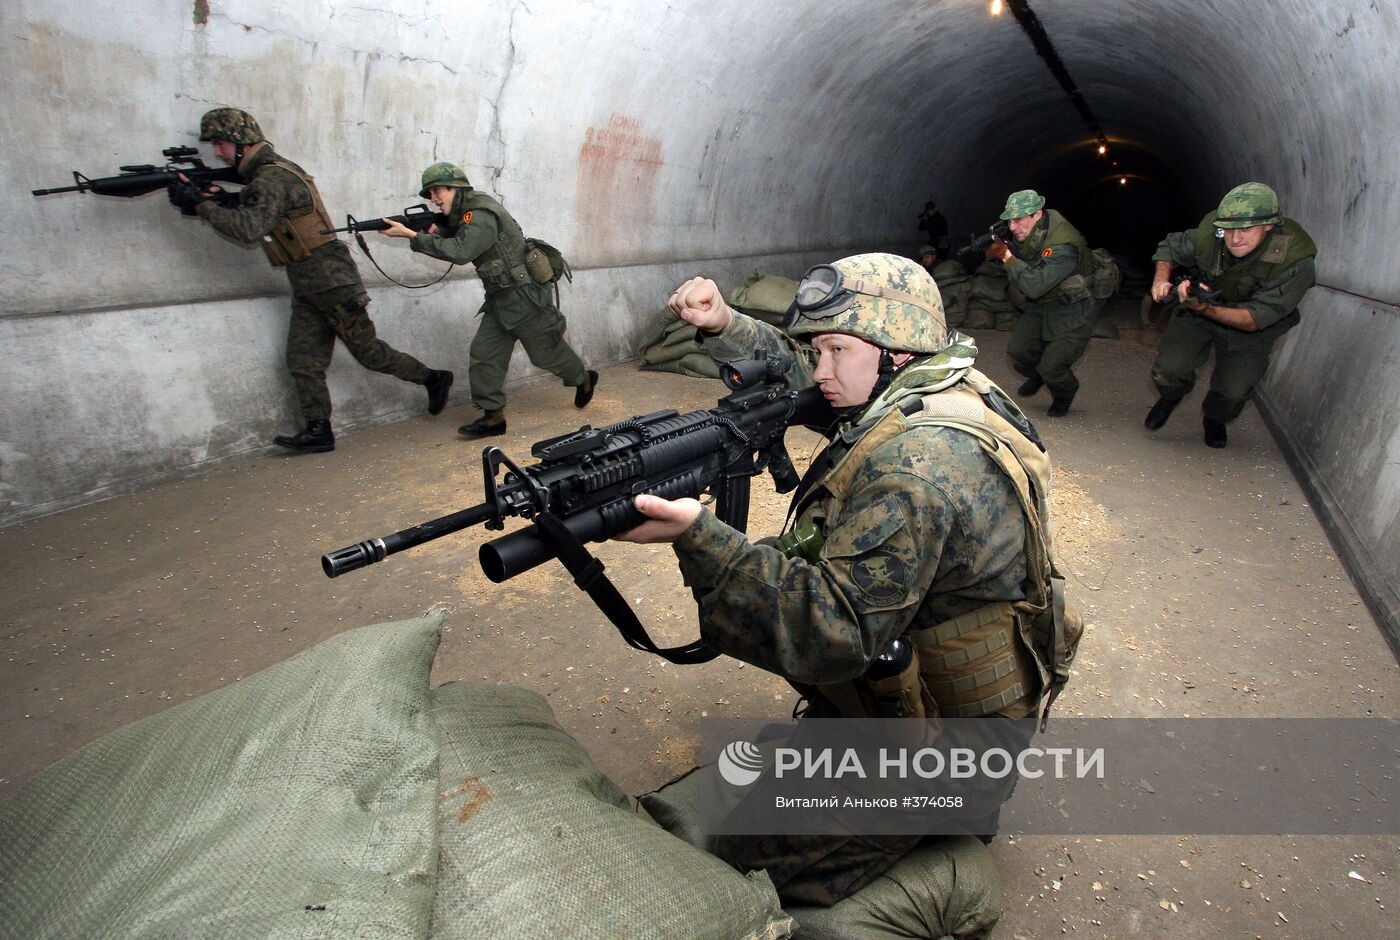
(1210, 586)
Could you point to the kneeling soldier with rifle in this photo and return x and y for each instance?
(281, 210)
(478, 229)
(919, 536)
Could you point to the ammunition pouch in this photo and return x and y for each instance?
(295, 236)
(980, 663)
(496, 275)
(1073, 289)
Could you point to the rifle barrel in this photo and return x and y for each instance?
(61, 189)
(353, 557)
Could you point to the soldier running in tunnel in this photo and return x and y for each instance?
(1262, 263)
(478, 229)
(280, 209)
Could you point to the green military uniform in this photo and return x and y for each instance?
(1269, 282)
(478, 229)
(921, 530)
(1049, 273)
(328, 297)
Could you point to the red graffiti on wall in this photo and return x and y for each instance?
(617, 168)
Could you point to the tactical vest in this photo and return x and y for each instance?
(296, 235)
(1240, 278)
(503, 264)
(1007, 657)
(1057, 231)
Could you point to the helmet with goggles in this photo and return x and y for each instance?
(884, 299)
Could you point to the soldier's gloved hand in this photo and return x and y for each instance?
(997, 251)
(184, 195)
(699, 302)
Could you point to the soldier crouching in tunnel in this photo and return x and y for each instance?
(1050, 268)
(1259, 265)
(479, 230)
(281, 210)
(919, 533)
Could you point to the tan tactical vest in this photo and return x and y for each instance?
(295, 236)
(503, 264)
(1008, 657)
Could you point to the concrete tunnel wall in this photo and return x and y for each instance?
(651, 142)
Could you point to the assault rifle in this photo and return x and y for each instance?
(140, 179)
(582, 488)
(419, 218)
(1199, 289)
(999, 230)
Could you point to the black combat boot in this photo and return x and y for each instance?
(1059, 407)
(1030, 386)
(1215, 433)
(438, 383)
(316, 438)
(490, 424)
(1160, 413)
(583, 394)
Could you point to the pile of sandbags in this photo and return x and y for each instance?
(988, 307)
(765, 297)
(955, 286)
(669, 344)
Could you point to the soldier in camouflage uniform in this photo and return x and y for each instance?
(1049, 265)
(1263, 263)
(281, 210)
(478, 229)
(920, 536)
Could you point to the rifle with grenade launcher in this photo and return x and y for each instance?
(582, 488)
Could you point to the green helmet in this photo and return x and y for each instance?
(1023, 203)
(443, 174)
(885, 299)
(231, 124)
(926, 250)
(1247, 205)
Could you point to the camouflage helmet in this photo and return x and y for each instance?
(231, 124)
(1022, 203)
(1247, 205)
(926, 250)
(443, 174)
(885, 299)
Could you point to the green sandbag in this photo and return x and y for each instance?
(679, 332)
(537, 843)
(297, 803)
(698, 365)
(654, 330)
(947, 887)
(769, 293)
(989, 288)
(771, 317)
(662, 353)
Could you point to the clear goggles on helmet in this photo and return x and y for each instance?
(824, 292)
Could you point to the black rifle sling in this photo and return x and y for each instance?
(365, 248)
(588, 575)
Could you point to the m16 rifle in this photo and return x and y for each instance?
(583, 486)
(419, 218)
(1199, 288)
(140, 179)
(998, 231)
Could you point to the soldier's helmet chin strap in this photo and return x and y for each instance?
(884, 376)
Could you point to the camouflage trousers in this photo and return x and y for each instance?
(524, 315)
(1241, 360)
(317, 320)
(1033, 354)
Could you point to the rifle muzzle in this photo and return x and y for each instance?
(353, 557)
